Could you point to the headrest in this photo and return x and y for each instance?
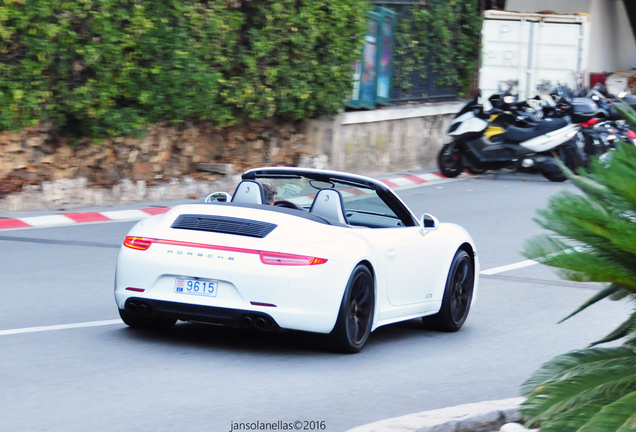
(248, 192)
(328, 203)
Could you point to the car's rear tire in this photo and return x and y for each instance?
(458, 295)
(355, 317)
(148, 322)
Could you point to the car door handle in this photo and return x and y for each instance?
(391, 253)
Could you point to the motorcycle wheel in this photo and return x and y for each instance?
(449, 161)
(474, 170)
(555, 177)
(570, 157)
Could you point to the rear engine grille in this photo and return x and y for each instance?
(225, 225)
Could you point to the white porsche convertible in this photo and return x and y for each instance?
(333, 253)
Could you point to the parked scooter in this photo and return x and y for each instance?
(602, 125)
(490, 140)
(601, 135)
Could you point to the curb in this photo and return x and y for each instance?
(76, 218)
(484, 416)
(396, 182)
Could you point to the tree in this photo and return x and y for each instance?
(593, 240)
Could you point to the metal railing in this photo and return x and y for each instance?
(420, 89)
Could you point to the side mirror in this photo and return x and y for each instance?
(428, 223)
(218, 197)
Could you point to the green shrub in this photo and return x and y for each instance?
(111, 66)
(439, 37)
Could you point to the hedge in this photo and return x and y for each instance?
(108, 67)
(439, 37)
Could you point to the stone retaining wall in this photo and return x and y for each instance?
(163, 152)
(40, 170)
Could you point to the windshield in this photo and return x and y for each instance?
(362, 205)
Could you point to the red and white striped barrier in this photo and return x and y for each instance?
(395, 182)
(75, 218)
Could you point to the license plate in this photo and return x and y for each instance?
(196, 287)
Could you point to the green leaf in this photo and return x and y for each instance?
(619, 332)
(613, 416)
(573, 359)
(629, 425)
(587, 385)
(572, 420)
(603, 293)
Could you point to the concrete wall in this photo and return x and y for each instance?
(612, 44)
(559, 6)
(385, 140)
(626, 43)
(603, 38)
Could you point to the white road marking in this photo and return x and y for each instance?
(515, 266)
(491, 271)
(59, 327)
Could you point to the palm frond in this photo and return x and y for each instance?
(619, 177)
(620, 294)
(573, 420)
(572, 395)
(629, 425)
(627, 112)
(605, 292)
(581, 219)
(593, 239)
(619, 332)
(571, 360)
(589, 265)
(564, 391)
(613, 416)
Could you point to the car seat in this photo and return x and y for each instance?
(249, 192)
(328, 203)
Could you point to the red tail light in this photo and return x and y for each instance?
(589, 123)
(139, 243)
(135, 289)
(276, 258)
(271, 258)
(631, 134)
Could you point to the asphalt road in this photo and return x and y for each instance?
(203, 378)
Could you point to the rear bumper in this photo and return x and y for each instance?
(305, 298)
(208, 314)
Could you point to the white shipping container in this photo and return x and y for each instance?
(532, 49)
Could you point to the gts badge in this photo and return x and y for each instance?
(201, 255)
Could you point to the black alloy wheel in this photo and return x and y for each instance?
(449, 160)
(355, 317)
(458, 295)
